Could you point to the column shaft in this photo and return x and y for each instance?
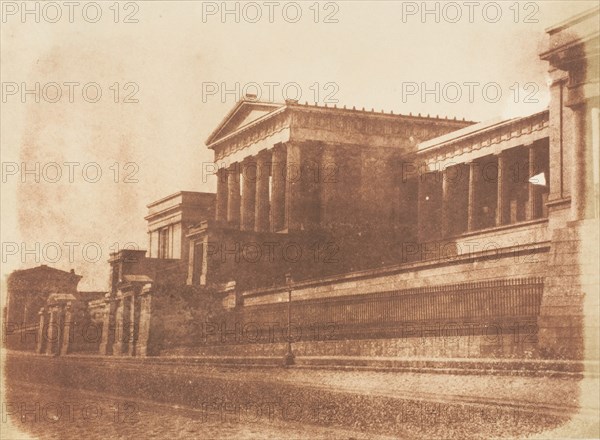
(145, 301)
(249, 176)
(221, 208)
(133, 314)
(582, 187)
(108, 328)
(471, 225)
(293, 189)
(53, 332)
(233, 196)
(121, 330)
(445, 204)
(278, 179)
(501, 180)
(41, 331)
(329, 186)
(65, 346)
(532, 189)
(261, 219)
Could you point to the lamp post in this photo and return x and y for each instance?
(289, 355)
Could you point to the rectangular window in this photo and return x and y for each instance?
(163, 243)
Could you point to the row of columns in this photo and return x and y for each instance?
(126, 324)
(253, 208)
(54, 330)
(448, 202)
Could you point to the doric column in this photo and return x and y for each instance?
(248, 175)
(428, 207)
(471, 225)
(293, 188)
(221, 208)
(41, 331)
(501, 180)
(233, 196)
(66, 339)
(329, 180)
(532, 189)
(261, 218)
(445, 203)
(278, 179)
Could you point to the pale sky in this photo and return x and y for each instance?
(369, 56)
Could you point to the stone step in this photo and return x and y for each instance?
(516, 367)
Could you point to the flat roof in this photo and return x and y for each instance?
(470, 131)
(197, 194)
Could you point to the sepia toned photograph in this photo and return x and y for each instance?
(290, 220)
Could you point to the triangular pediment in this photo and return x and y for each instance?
(243, 114)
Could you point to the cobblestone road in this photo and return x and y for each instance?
(46, 412)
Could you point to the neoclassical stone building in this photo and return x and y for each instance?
(402, 230)
(405, 235)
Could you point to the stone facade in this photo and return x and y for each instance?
(47, 314)
(29, 289)
(373, 222)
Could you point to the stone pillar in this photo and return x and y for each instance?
(428, 207)
(293, 188)
(133, 320)
(278, 193)
(190, 266)
(501, 179)
(222, 190)
(65, 347)
(248, 175)
(582, 191)
(532, 189)
(233, 196)
(120, 328)
(53, 333)
(471, 221)
(41, 332)
(261, 218)
(329, 185)
(107, 327)
(445, 203)
(144, 323)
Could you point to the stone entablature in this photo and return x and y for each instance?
(483, 139)
(373, 130)
(574, 46)
(296, 122)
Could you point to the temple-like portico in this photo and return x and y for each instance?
(488, 175)
(276, 172)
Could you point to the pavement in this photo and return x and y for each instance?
(504, 406)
